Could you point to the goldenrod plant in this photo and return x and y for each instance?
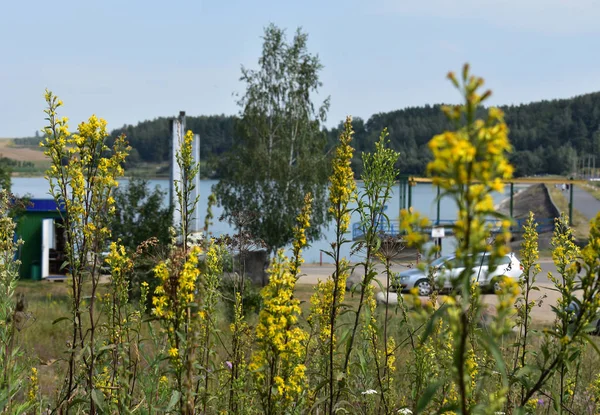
(524, 307)
(468, 164)
(278, 360)
(208, 301)
(13, 372)
(175, 298)
(299, 242)
(83, 175)
(379, 175)
(185, 185)
(278, 363)
(329, 294)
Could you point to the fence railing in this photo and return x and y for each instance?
(391, 228)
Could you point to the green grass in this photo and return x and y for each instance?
(45, 343)
(38, 169)
(593, 188)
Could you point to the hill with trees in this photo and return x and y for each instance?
(548, 136)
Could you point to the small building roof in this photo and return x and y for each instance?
(41, 205)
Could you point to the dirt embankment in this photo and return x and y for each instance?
(536, 199)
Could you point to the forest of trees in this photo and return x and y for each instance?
(548, 136)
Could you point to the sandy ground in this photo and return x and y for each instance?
(542, 312)
(20, 153)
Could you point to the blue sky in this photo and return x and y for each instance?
(131, 60)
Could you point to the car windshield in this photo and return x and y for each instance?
(441, 261)
(480, 260)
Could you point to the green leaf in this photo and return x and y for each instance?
(173, 401)
(591, 342)
(109, 347)
(490, 344)
(363, 363)
(98, 398)
(431, 323)
(427, 395)
(58, 320)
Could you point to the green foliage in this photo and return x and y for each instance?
(250, 297)
(5, 181)
(141, 223)
(379, 175)
(140, 214)
(12, 368)
(151, 139)
(280, 152)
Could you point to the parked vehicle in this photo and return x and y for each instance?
(447, 268)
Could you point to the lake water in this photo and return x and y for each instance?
(423, 200)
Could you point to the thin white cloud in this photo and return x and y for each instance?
(558, 17)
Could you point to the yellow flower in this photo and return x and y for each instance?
(281, 343)
(342, 187)
(299, 241)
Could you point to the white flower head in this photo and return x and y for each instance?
(405, 411)
(370, 392)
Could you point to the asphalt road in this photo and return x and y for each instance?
(545, 298)
(584, 202)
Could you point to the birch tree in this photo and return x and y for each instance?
(279, 154)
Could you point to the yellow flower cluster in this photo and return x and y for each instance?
(370, 328)
(209, 285)
(594, 389)
(412, 223)
(278, 361)
(175, 292)
(103, 381)
(82, 176)
(120, 265)
(322, 301)
(506, 308)
(470, 163)
(174, 295)
(34, 386)
(565, 255)
(299, 242)
(472, 370)
(391, 357)
(531, 406)
(591, 252)
(342, 187)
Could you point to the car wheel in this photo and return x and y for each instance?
(423, 287)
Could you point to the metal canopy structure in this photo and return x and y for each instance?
(407, 182)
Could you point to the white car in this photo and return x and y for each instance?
(447, 268)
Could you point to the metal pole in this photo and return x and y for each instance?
(401, 192)
(512, 188)
(438, 206)
(409, 195)
(571, 203)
